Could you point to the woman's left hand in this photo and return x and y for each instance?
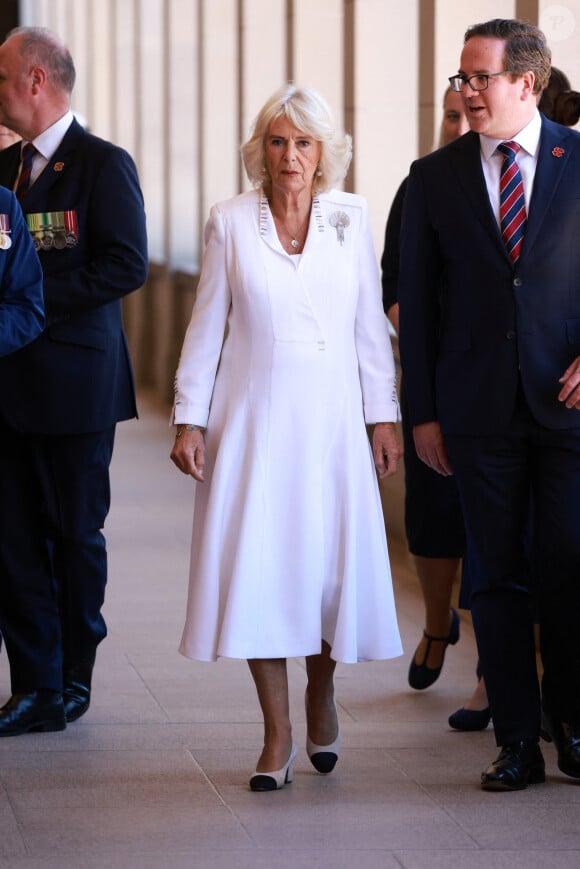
(387, 449)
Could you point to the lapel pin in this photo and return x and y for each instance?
(557, 152)
(58, 167)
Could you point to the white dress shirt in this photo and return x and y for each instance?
(527, 159)
(46, 144)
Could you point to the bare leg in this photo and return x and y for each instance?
(478, 700)
(436, 578)
(271, 680)
(321, 717)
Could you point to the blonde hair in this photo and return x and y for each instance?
(309, 112)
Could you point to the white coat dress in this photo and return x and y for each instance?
(288, 544)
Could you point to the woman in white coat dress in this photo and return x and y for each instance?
(286, 357)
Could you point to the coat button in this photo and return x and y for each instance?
(518, 282)
(510, 335)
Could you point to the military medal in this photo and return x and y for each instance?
(71, 228)
(34, 222)
(53, 229)
(5, 240)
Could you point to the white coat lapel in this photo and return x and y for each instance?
(268, 229)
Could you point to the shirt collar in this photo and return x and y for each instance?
(528, 139)
(49, 140)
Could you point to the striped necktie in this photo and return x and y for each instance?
(23, 186)
(512, 204)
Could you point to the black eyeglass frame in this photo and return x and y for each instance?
(458, 82)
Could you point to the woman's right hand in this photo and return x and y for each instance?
(188, 451)
(430, 447)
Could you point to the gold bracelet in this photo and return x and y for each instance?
(186, 427)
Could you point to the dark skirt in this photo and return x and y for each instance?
(433, 518)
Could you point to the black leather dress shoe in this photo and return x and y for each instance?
(32, 712)
(566, 738)
(77, 699)
(77, 689)
(518, 765)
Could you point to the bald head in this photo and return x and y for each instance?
(37, 75)
(39, 46)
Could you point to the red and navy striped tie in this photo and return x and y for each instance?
(512, 204)
(23, 186)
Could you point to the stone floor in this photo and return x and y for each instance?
(155, 775)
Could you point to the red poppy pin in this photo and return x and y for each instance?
(58, 167)
(557, 152)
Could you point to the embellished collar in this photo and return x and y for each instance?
(266, 219)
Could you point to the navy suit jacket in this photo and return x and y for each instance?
(77, 377)
(21, 301)
(472, 323)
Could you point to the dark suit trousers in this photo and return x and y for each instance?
(498, 478)
(54, 498)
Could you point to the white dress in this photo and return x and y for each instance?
(288, 544)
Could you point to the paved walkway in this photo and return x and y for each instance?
(155, 775)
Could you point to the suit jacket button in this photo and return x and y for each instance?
(510, 335)
(518, 282)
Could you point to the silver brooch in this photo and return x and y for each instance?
(340, 221)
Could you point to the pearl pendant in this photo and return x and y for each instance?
(295, 243)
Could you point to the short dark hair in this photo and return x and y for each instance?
(526, 47)
(40, 47)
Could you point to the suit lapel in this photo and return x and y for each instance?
(552, 161)
(466, 154)
(267, 227)
(54, 170)
(553, 158)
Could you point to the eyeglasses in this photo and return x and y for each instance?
(479, 82)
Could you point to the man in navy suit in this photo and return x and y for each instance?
(63, 394)
(490, 348)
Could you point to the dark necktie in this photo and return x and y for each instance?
(23, 186)
(512, 205)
